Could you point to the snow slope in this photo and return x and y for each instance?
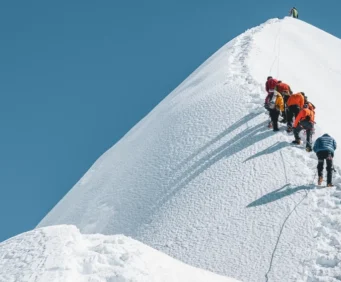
(203, 179)
(61, 253)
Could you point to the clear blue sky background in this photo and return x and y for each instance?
(75, 76)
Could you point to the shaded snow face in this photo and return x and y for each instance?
(204, 180)
(61, 253)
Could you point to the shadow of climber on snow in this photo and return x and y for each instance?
(278, 194)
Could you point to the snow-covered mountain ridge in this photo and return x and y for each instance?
(61, 253)
(202, 179)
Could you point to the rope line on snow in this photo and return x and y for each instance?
(280, 234)
(277, 50)
(285, 221)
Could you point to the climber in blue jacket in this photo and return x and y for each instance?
(324, 148)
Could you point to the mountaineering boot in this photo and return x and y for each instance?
(308, 149)
(330, 185)
(319, 181)
(275, 129)
(297, 142)
(289, 129)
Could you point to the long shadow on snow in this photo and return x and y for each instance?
(233, 127)
(241, 141)
(273, 148)
(278, 194)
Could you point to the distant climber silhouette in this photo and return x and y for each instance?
(293, 13)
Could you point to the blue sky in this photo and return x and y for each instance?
(75, 76)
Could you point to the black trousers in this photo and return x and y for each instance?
(328, 156)
(274, 114)
(292, 112)
(308, 126)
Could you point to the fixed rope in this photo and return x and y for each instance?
(283, 225)
(277, 50)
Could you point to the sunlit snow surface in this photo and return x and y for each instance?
(61, 253)
(203, 179)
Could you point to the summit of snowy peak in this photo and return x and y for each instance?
(204, 180)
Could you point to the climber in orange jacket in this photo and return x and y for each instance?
(295, 104)
(311, 106)
(304, 120)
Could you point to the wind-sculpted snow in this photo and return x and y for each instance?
(204, 180)
(61, 253)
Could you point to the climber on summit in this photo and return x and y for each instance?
(275, 106)
(324, 148)
(295, 104)
(293, 13)
(285, 91)
(304, 120)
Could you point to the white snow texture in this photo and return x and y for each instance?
(61, 253)
(202, 179)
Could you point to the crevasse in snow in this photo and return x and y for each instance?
(203, 179)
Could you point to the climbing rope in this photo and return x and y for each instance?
(277, 50)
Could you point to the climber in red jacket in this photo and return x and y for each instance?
(270, 85)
